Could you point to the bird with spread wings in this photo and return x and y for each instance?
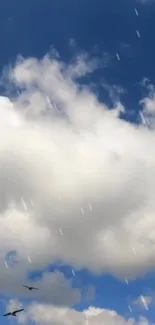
(30, 288)
(13, 313)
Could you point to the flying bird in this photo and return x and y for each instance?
(30, 288)
(14, 312)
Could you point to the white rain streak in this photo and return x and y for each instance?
(73, 272)
(24, 204)
(118, 57)
(144, 302)
(138, 34)
(55, 106)
(130, 308)
(136, 12)
(144, 120)
(82, 211)
(147, 121)
(48, 102)
(126, 280)
(134, 250)
(51, 104)
(6, 265)
(90, 207)
(60, 230)
(32, 203)
(29, 259)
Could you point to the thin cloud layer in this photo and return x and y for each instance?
(77, 183)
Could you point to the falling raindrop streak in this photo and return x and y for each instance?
(136, 12)
(48, 101)
(134, 250)
(73, 272)
(61, 233)
(24, 204)
(6, 265)
(29, 259)
(144, 302)
(118, 57)
(126, 280)
(142, 118)
(138, 34)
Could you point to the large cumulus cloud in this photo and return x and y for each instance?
(67, 161)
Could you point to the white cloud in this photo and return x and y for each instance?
(66, 162)
(48, 314)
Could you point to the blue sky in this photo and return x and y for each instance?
(31, 28)
(101, 29)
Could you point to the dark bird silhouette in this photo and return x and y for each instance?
(14, 312)
(30, 288)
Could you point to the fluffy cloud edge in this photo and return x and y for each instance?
(47, 314)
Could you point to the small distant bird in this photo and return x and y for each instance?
(14, 312)
(30, 288)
